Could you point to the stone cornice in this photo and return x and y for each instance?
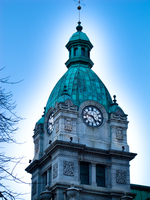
(89, 150)
(82, 149)
(122, 154)
(79, 60)
(79, 42)
(32, 166)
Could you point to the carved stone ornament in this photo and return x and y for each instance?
(38, 128)
(68, 104)
(120, 112)
(121, 176)
(36, 146)
(68, 124)
(68, 168)
(119, 134)
(118, 117)
(55, 170)
(57, 126)
(56, 105)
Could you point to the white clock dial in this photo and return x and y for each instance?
(92, 116)
(50, 124)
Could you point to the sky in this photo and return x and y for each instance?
(33, 35)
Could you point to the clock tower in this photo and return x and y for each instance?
(81, 149)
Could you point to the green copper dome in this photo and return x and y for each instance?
(116, 109)
(79, 36)
(81, 84)
(41, 120)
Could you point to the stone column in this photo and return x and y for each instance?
(93, 179)
(48, 176)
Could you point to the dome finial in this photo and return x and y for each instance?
(114, 100)
(79, 27)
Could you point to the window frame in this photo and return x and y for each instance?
(82, 51)
(44, 178)
(84, 175)
(101, 175)
(75, 51)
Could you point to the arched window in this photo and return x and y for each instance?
(75, 51)
(82, 52)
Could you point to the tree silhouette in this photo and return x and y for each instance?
(8, 127)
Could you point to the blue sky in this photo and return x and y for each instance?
(33, 35)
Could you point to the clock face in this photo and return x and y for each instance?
(50, 124)
(92, 116)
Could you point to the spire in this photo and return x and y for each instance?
(79, 8)
(79, 27)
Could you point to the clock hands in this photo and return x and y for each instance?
(92, 116)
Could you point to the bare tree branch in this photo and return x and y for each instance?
(8, 126)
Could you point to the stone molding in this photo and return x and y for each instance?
(58, 144)
(118, 117)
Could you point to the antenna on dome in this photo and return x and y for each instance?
(79, 2)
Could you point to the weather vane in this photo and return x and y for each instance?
(79, 2)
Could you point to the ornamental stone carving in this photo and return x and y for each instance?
(120, 112)
(121, 176)
(68, 124)
(68, 104)
(119, 134)
(55, 170)
(36, 146)
(118, 117)
(38, 129)
(57, 126)
(68, 168)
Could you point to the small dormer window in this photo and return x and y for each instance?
(82, 52)
(76, 51)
